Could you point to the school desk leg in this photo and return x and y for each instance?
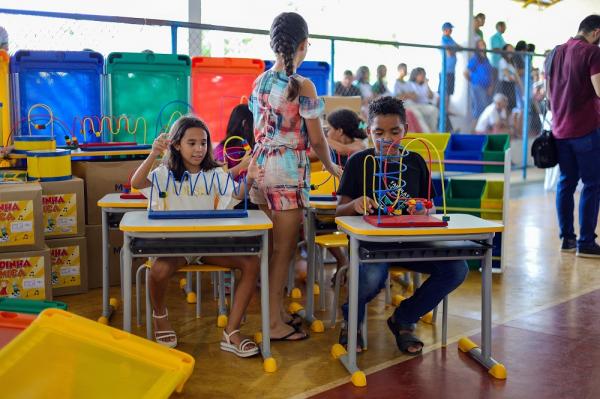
(126, 276)
(108, 305)
(349, 359)
(269, 363)
(484, 354)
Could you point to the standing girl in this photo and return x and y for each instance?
(188, 153)
(286, 113)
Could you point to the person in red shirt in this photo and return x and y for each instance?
(574, 93)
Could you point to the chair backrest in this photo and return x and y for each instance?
(323, 182)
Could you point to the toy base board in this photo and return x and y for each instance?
(213, 214)
(133, 196)
(404, 221)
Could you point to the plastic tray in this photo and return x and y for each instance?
(62, 355)
(464, 194)
(494, 150)
(439, 141)
(29, 306)
(317, 71)
(11, 325)
(465, 147)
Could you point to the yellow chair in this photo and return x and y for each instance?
(188, 269)
(323, 184)
(325, 242)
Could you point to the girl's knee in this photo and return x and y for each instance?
(249, 265)
(162, 269)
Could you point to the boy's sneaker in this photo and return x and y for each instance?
(569, 245)
(592, 251)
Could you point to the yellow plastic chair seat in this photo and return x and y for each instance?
(197, 268)
(332, 240)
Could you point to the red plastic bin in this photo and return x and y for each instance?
(11, 324)
(218, 85)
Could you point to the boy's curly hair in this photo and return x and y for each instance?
(387, 105)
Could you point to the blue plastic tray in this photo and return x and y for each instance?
(317, 71)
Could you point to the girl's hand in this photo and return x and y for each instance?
(160, 145)
(255, 172)
(359, 205)
(245, 162)
(334, 169)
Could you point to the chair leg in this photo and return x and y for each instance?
(434, 316)
(232, 288)
(138, 300)
(322, 279)
(221, 290)
(388, 290)
(213, 277)
(336, 295)
(148, 307)
(444, 320)
(363, 329)
(198, 293)
(290, 283)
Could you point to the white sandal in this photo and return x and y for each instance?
(166, 338)
(246, 348)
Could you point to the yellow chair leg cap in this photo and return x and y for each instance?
(498, 371)
(465, 344)
(222, 321)
(397, 299)
(182, 283)
(316, 289)
(190, 297)
(359, 379)
(114, 302)
(270, 365)
(258, 337)
(428, 318)
(103, 320)
(296, 293)
(317, 326)
(295, 307)
(338, 351)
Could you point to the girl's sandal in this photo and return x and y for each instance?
(166, 338)
(245, 348)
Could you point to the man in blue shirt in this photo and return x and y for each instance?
(497, 43)
(451, 47)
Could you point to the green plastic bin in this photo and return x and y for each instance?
(139, 85)
(462, 195)
(494, 150)
(29, 306)
(492, 200)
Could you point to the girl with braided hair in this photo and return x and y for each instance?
(286, 113)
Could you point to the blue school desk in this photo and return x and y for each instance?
(143, 237)
(461, 227)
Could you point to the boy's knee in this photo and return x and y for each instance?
(456, 272)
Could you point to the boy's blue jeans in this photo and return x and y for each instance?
(444, 277)
(579, 159)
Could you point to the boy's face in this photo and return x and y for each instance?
(389, 128)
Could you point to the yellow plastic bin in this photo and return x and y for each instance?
(49, 165)
(4, 98)
(62, 355)
(439, 141)
(492, 200)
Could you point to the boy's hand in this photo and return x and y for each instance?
(359, 205)
(160, 145)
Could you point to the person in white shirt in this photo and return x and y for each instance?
(494, 118)
(423, 98)
(190, 179)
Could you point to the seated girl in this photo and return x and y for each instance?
(188, 149)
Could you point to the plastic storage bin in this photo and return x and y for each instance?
(5, 97)
(220, 84)
(436, 192)
(29, 306)
(140, 85)
(88, 360)
(11, 324)
(438, 140)
(317, 71)
(68, 82)
(462, 195)
(465, 147)
(494, 150)
(492, 200)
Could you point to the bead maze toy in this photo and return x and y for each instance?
(388, 188)
(40, 122)
(107, 128)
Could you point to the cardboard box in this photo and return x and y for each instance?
(102, 178)
(68, 258)
(21, 226)
(333, 103)
(63, 208)
(25, 275)
(94, 247)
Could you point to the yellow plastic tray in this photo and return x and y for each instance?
(61, 355)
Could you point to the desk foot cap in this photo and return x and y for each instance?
(498, 371)
(258, 337)
(295, 307)
(465, 345)
(338, 351)
(190, 298)
(428, 318)
(296, 293)
(317, 326)
(359, 379)
(397, 299)
(316, 289)
(114, 302)
(270, 365)
(222, 321)
(103, 320)
(182, 283)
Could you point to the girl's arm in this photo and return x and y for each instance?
(140, 177)
(315, 132)
(240, 167)
(356, 146)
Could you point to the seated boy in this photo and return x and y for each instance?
(387, 121)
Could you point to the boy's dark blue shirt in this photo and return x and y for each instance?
(416, 176)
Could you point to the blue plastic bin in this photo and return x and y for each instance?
(465, 147)
(69, 82)
(436, 192)
(317, 71)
